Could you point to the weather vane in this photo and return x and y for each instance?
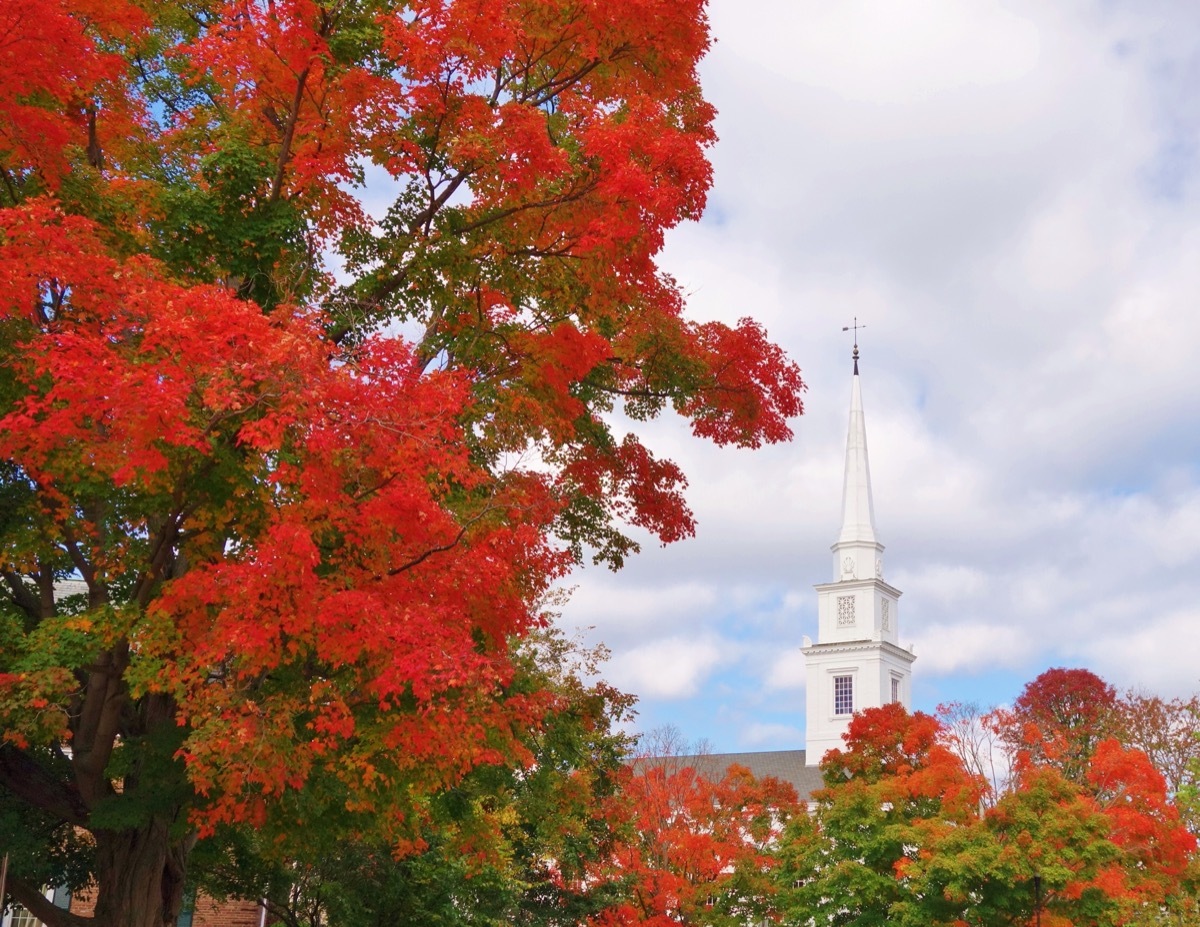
(855, 327)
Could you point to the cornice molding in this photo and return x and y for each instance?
(860, 646)
(847, 585)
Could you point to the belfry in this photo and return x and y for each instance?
(857, 661)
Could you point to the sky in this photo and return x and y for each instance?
(1005, 195)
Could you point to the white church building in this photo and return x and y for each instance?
(857, 660)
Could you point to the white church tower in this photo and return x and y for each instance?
(857, 661)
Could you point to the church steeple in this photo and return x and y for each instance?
(857, 554)
(857, 661)
(858, 510)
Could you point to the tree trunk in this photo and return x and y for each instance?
(141, 875)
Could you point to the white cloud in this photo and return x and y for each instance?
(627, 609)
(767, 736)
(947, 585)
(786, 671)
(943, 649)
(875, 51)
(669, 668)
(1157, 652)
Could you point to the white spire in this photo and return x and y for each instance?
(858, 511)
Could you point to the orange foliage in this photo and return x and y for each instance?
(694, 843)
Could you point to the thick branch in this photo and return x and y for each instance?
(289, 133)
(41, 907)
(162, 552)
(104, 702)
(80, 562)
(281, 912)
(34, 785)
(425, 216)
(9, 187)
(20, 595)
(95, 154)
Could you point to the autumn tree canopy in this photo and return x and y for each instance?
(894, 790)
(310, 466)
(507, 844)
(694, 845)
(1168, 732)
(1058, 719)
(898, 836)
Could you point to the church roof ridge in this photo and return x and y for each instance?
(786, 765)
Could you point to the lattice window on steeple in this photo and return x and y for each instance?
(885, 619)
(845, 605)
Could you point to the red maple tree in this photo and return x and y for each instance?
(1059, 718)
(308, 512)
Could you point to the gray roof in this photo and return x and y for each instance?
(787, 765)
